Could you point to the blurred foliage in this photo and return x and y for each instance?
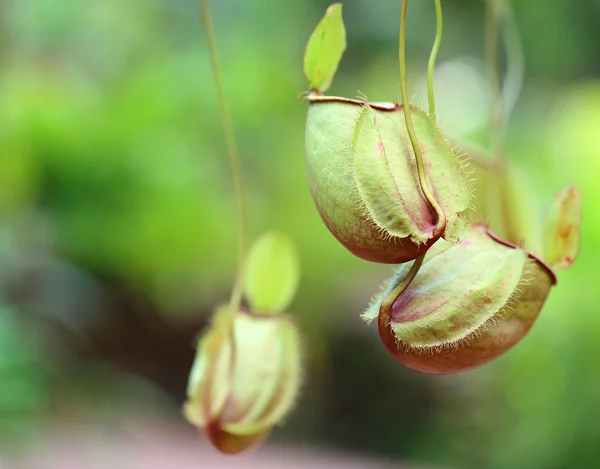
(112, 166)
(23, 376)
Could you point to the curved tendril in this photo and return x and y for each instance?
(432, 59)
(500, 21)
(441, 218)
(493, 76)
(515, 60)
(234, 156)
(385, 310)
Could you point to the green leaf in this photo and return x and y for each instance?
(272, 273)
(563, 233)
(325, 48)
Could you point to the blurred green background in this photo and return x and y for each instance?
(118, 229)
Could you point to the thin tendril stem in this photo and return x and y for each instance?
(441, 219)
(493, 74)
(515, 60)
(500, 20)
(432, 59)
(234, 156)
(386, 305)
(385, 310)
(500, 23)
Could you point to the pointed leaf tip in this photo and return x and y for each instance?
(563, 233)
(325, 48)
(272, 273)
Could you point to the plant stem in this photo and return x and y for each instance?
(432, 59)
(515, 59)
(386, 305)
(441, 219)
(493, 74)
(499, 19)
(234, 156)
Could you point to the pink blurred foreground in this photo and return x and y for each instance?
(160, 446)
